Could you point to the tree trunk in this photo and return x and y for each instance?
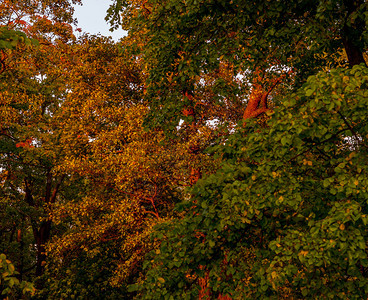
(257, 102)
(42, 232)
(355, 55)
(42, 236)
(351, 34)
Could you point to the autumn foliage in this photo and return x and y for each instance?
(218, 151)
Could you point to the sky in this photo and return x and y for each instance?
(91, 18)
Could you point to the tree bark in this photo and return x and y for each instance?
(42, 235)
(42, 232)
(257, 102)
(351, 33)
(354, 54)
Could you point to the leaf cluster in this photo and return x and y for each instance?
(286, 214)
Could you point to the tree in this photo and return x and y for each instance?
(30, 93)
(100, 140)
(285, 222)
(286, 217)
(128, 179)
(186, 40)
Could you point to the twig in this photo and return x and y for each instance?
(351, 129)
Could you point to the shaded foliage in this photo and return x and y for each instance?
(286, 217)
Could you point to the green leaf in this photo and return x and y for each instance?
(309, 92)
(326, 182)
(211, 243)
(133, 288)
(284, 140)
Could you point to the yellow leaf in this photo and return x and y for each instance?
(160, 279)
(342, 227)
(307, 162)
(273, 274)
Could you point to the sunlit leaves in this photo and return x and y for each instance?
(129, 178)
(30, 99)
(290, 194)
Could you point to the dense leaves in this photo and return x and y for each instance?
(31, 91)
(10, 286)
(218, 151)
(187, 40)
(126, 176)
(287, 216)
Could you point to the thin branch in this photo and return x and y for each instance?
(351, 129)
(58, 184)
(316, 144)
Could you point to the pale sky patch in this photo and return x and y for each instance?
(91, 18)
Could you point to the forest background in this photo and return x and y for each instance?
(217, 151)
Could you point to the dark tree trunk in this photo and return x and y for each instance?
(351, 34)
(42, 232)
(42, 235)
(21, 250)
(355, 55)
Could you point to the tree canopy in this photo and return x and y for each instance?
(218, 151)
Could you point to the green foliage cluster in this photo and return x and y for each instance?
(86, 277)
(287, 216)
(186, 40)
(10, 286)
(9, 39)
